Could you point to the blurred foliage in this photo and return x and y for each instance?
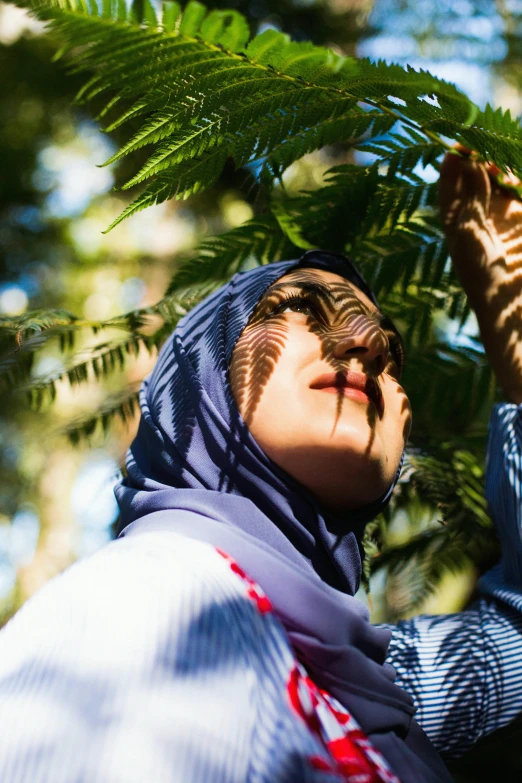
(54, 203)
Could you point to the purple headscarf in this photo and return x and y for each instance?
(194, 468)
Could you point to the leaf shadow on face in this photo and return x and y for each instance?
(340, 321)
(253, 362)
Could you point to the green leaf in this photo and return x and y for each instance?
(170, 16)
(260, 240)
(226, 28)
(289, 226)
(192, 17)
(149, 15)
(123, 405)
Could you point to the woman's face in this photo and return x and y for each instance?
(316, 377)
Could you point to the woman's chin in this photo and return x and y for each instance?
(340, 478)
(352, 440)
(346, 496)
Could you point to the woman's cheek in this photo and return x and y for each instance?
(403, 415)
(397, 413)
(253, 364)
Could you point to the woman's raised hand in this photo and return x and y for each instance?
(483, 226)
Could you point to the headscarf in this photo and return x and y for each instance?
(194, 468)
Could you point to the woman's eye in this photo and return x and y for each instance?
(297, 305)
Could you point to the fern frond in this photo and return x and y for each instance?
(450, 386)
(452, 482)
(259, 240)
(402, 152)
(123, 406)
(208, 96)
(276, 114)
(14, 329)
(388, 228)
(347, 125)
(24, 337)
(455, 486)
(96, 363)
(330, 217)
(420, 563)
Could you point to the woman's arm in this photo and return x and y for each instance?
(483, 226)
(465, 670)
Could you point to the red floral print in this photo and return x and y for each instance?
(349, 754)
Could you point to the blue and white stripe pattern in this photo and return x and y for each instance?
(145, 663)
(465, 670)
(148, 662)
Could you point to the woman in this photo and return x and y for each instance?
(218, 638)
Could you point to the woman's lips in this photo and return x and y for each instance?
(355, 385)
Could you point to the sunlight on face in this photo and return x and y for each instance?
(315, 375)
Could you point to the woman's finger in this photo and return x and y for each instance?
(466, 201)
(464, 193)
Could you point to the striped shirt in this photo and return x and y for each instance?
(119, 670)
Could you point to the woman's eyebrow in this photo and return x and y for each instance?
(324, 290)
(320, 289)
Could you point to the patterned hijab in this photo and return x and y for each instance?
(194, 468)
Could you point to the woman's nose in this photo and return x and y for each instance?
(364, 339)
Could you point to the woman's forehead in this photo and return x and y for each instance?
(339, 285)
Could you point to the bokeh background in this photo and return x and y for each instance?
(57, 499)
